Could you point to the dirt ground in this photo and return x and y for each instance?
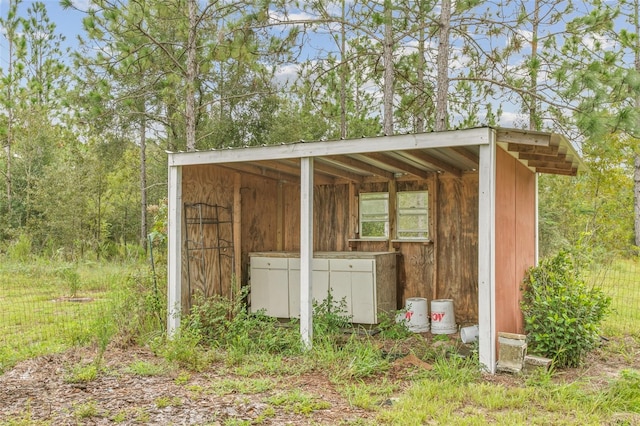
(38, 390)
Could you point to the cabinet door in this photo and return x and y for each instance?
(340, 289)
(352, 279)
(319, 285)
(363, 297)
(270, 287)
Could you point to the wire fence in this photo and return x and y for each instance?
(47, 307)
(620, 280)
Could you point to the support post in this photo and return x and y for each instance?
(237, 235)
(486, 254)
(174, 262)
(306, 250)
(537, 218)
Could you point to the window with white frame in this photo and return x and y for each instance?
(412, 212)
(413, 215)
(374, 215)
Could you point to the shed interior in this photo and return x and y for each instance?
(234, 209)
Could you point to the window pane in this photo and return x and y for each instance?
(374, 229)
(413, 214)
(374, 215)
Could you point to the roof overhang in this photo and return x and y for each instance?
(542, 152)
(410, 156)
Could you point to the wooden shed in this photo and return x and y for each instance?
(441, 215)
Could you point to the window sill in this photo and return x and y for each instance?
(382, 240)
(416, 240)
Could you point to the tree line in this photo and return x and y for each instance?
(84, 129)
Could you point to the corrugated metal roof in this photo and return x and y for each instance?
(402, 156)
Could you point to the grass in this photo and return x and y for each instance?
(146, 368)
(298, 402)
(445, 401)
(621, 281)
(42, 313)
(453, 392)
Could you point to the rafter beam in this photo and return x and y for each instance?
(540, 150)
(524, 137)
(434, 162)
(550, 164)
(360, 165)
(398, 164)
(292, 169)
(325, 168)
(541, 157)
(552, 171)
(256, 170)
(466, 154)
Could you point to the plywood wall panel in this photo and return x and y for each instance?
(506, 290)
(457, 234)
(526, 233)
(417, 265)
(292, 217)
(206, 267)
(259, 214)
(331, 217)
(515, 237)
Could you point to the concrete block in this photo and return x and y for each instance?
(533, 362)
(512, 348)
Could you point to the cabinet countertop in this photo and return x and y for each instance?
(324, 254)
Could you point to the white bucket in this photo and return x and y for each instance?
(469, 334)
(417, 315)
(443, 319)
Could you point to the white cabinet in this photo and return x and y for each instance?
(270, 286)
(319, 278)
(365, 281)
(354, 280)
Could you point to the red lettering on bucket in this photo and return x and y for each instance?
(437, 316)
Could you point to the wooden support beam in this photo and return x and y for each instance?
(549, 164)
(353, 210)
(393, 213)
(434, 213)
(306, 250)
(280, 225)
(361, 165)
(237, 235)
(551, 171)
(523, 137)
(325, 168)
(291, 169)
(398, 164)
(466, 154)
(540, 150)
(434, 162)
(174, 251)
(487, 257)
(265, 172)
(541, 157)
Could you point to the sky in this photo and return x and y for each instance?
(69, 23)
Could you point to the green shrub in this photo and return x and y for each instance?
(562, 315)
(226, 323)
(330, 317)
(21, 249)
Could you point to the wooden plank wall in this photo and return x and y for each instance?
(200, 275)
(416, 263)
(515, 238)
(443, 268)
(457, 234)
